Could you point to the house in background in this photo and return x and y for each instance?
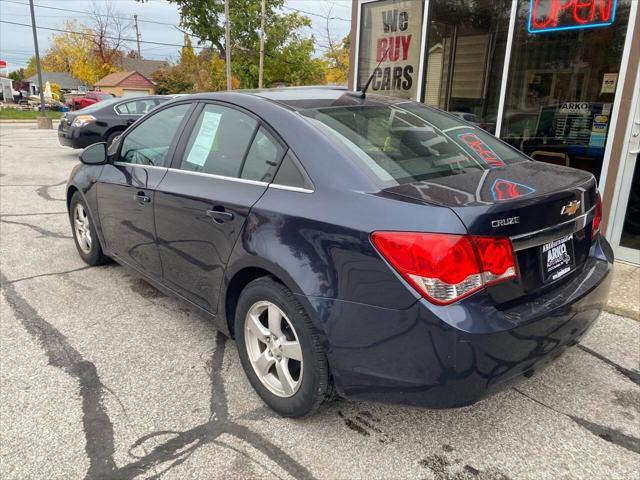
(126, 84)
(145, 67)
(66, 81)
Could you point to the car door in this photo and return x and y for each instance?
(202, 203)
(127, 187)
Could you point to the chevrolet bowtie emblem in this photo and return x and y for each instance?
(570, 208)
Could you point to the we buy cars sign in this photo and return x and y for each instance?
(391, 34)
(557, 15)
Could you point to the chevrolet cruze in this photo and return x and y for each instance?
(365, 246)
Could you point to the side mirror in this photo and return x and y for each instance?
(95, 154)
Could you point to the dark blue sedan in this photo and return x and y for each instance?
(370, 247)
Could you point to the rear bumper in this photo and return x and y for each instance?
(442, 357)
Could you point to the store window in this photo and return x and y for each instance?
(390, 40)
(465, 57)
(563, 78)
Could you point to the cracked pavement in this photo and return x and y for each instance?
(103, 376)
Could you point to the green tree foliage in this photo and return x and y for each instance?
(202, 72)
(337, 58)
(288, 54)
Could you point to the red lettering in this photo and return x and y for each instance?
(406, 40)
(606, 7)
(534, 15)
(383, 46)
(578, 6)
(478, 146)
(394, 50)
(548, 14)
(561, 7)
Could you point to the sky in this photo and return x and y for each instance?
(156, 21)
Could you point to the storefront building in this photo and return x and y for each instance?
(557, 79)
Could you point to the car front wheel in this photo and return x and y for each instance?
(84, 232)
(280, 349)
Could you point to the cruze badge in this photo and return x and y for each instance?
(503, 222)
(570, 208)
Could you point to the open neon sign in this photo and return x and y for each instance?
(556, 15)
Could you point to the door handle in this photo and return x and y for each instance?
(219, 215)
(141, 198)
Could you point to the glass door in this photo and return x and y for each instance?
(625, 229)
(464, 58)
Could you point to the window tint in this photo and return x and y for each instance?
(291, 174)
(263, 157)
(137, 107)
(149, 142)
(219, 141)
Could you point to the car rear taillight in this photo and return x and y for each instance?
(445, 268)
(595, 228)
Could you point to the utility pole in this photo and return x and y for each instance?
(261, 70)
(135, 21)
(43, 120)
(227, 42)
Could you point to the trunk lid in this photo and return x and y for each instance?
(533, 203)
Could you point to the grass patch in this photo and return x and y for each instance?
(13, 114)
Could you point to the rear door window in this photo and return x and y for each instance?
(136, 107)
(219, 142)
(263, 157)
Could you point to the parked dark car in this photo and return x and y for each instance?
(104, 121)
(370, 247)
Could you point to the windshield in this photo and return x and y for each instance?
(105, 96)
(410, 142)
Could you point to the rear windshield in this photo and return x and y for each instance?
(409, 142)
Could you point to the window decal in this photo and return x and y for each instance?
(507, 190)
(558, 15)
(481, 149)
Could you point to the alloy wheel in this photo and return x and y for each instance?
(273, 349)
(82, 228)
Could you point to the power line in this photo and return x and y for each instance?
(123, 39)
(316, 14)
(90, 14)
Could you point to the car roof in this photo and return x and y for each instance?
(301, 98)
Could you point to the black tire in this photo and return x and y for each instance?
(315, 383)
(92, 255)
(112, 136)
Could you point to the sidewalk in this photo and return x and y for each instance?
(624, 298)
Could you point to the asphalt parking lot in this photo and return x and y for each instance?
(102, 376)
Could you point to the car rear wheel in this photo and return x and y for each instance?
(84, 232)
(280, 350)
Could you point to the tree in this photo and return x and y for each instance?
(288, 55)
(75, 53)
(108, 30)
(202, 72)
(337, 58)
(17, 75)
